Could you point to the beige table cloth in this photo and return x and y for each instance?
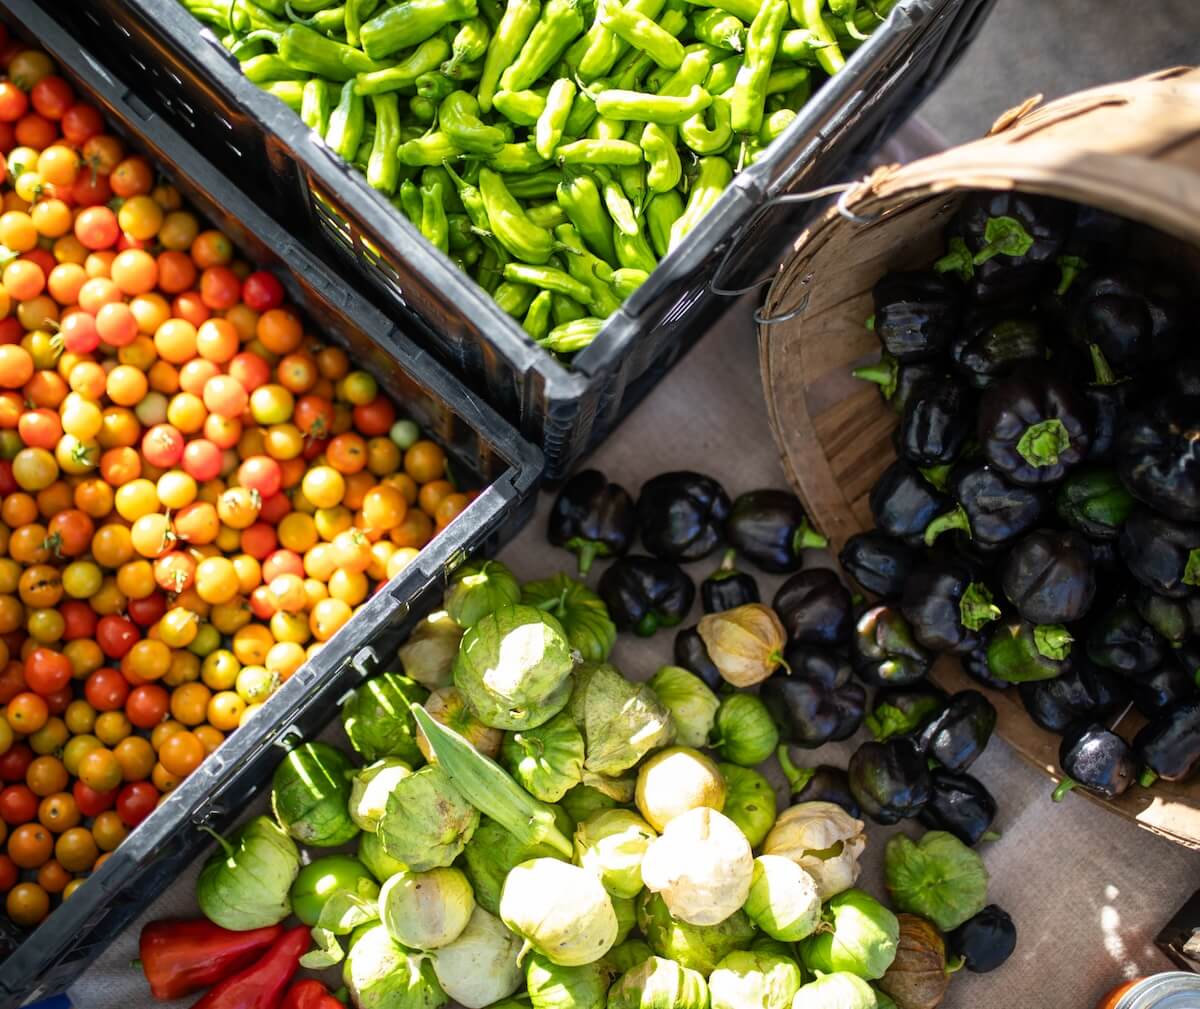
(1087, 891)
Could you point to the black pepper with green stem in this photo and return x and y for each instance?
(988, 509)
(770, 528)
(947, 607)
(644, 594)
(681, 515)
(1019, 651)
(592, 517)
(883, 650)
(822, 783)
(879, 563)
(1048, 577)
(959, 733)
(889, 781)
(728, 587)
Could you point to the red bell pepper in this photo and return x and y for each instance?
(261, 985)
(180, 957)
(309, 994)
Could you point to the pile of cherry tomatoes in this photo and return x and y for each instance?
(196, 493)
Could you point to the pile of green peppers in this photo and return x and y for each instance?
(554, 149)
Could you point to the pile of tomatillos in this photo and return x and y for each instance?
(1042, 520)
(555, 151)
(533, 828)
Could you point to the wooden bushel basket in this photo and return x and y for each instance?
(1132, 148)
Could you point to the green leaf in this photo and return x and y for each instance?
(1004, 235)
(957, 260)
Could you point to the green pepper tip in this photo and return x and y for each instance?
(955, 519)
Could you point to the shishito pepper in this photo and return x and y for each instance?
(641, 32)
(383, 167)
(425, 58)
(316, 105)
(411, 22)
(588, 269)
(509, 223)
(459, 120)
(573, 336)
(556, 28)
(311, 52)
(433, 217)
(346, 122)
(579, 196)
(750, 87)
(712, 178)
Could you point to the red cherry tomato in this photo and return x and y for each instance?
(106, 689)
(81, 122)
(116, 635)
(202, 460)
(18, 804)
(8, 483)
(79, 620)
(47, 671)
(136, 801)
(162, 446)
(56, 703)
(15, 762)
(147, 611)
(147, 705)
(262, 291)
(91, 802)
(260, 473)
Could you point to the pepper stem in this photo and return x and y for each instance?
(957, 964)
(1070, 267)
(776, 659)
(957, 260)
(990, 835)
(1004, 236)
(956, 519)
(1147, 777)
(588, 551)
(728, 562)
(797, 777)
(646, 627)
(883, 373)
(808, 538)
(1044, 442)
(1104, 373)
(977, 607)
(1064, 787)
(938, 476)
(1052, 641)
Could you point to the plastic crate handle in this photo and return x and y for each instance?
(841, 190)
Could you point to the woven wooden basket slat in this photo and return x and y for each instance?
(1132, 148)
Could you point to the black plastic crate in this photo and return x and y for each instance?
(186, 75)
(483, 448)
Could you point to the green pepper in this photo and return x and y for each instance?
(514, 299)
(573, 336)
(714, 175)
(801, 45)
(303, 6)
(271, 67)
(631, 69)
(435, 86)
(591, 270)
(411, 22)
(705, 139)
(546, 215)
(579, 196)
(366, 144)
(663, 210)
(566, 309)
(383, 164)
(459, 120)
(520, 107)
(471, 199)
(807, 14)
(509, 223)
(719, 28)
(346, 122)
(617, 202)
(548, 279)
(309, 50)
(426, 58)
(422, 109)
(241, 16)
(641, 32)
(516, 159)
(331, 21)
(602, 48)
(723, 76)
(663, 155)
(535, 185)
(599, 152)
(549, 129)
(537, 319)
(316, 105)
(430, 149)
(647, 108)
(434, 225)
(410, 201)
(603, 128)
(491, 263)
(291, 93)
(439, 173)
(744, 9)
(633, 251)
(787, 79)
(556, 28)
(458, 228)
(520, 17)
(628, 279)
(632, 179)
(774, 125)
(469, 45)
(762, 42)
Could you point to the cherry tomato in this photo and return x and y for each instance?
(18, 804)
(136, 801)
(116, 635)
(147, 705)
(106, 689)
(91, 802)
(47, 671)
(262, 291)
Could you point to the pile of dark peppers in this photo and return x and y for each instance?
(1042, 518)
